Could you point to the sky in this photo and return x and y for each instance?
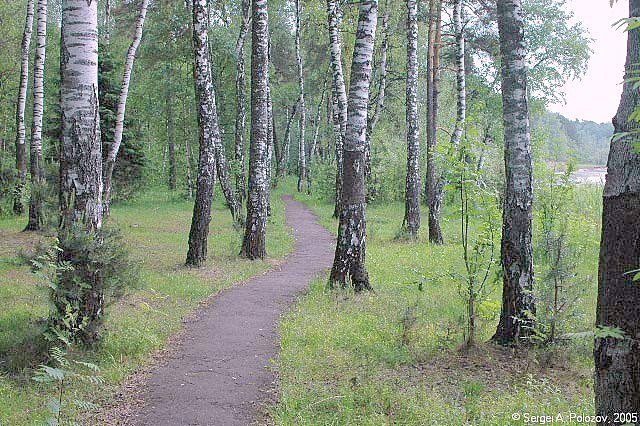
(596, 95)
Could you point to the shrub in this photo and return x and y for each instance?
(85, 271)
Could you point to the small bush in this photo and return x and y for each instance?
(85, 272)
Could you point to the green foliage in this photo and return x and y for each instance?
(559, 288)
(84, 272)
(65, 373)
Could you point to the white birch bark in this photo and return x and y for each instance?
(254, 241)
(302, 123)
(241, 110)
(21, 131)
(349, 262)
(81, 150)
(209, 133)
(334, 17)
(122, 105)
(461, 90)
(36, 219)
(411, 223)
(518, 306)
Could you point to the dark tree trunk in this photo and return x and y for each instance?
(36, 203)
(21, 132)
(209, 132)
(411, 223)
(434, 189)
(254, 242)
(617, 361)
(241, 113)
(334, 16)
(349, 263)
(518, 305)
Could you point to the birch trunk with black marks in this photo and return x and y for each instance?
(81, 150)
(617, 360)
(254, 241)
(334, 17)
(209, 132)
(461, 83)
(302, 123)
(434, 189)
(518, 306)
(241, 110)
(270, 145)
(411, 223)
(313, 149)
(36, 202)
(349, 262)
(122, 106)
(223, 169)
(21, 131)
(374, 116)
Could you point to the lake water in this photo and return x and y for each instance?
(590, 175)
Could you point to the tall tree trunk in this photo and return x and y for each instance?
(254, 242)
(81, 146)
(302, 123)
(374, 116)
(617, 360)
(461, 84)
(270, 145)
(411, 223)
(334, 17)
(122, 105)
(518, 305)
(81, 151)
(241, 110)
(171, 141)
(223, 169)
(209, 133)
(21, 131)
(282, 159)
(349, 262)
(36, 204)
(313, 149)
(434, 189)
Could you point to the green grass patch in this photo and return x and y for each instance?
(155, 226)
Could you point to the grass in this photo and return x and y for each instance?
(397, 356)
(155, 226)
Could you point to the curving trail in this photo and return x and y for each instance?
(219, 374)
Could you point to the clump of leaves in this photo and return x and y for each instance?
(61, 377)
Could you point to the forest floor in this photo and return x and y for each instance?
(155, 226)
(397, 356)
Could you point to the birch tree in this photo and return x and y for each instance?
(334, 17)
(411, 223)
(36, 203)
(302, 118)
(376, 110)
(254, 241)
(122, 105)
(518, 305)
(461, 89)
(81, 148)
(241, 112)
(434, 188)
(209, 132)
(349, 262)
(617, 378)
(21, 131)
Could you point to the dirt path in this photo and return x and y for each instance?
(219, 374)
